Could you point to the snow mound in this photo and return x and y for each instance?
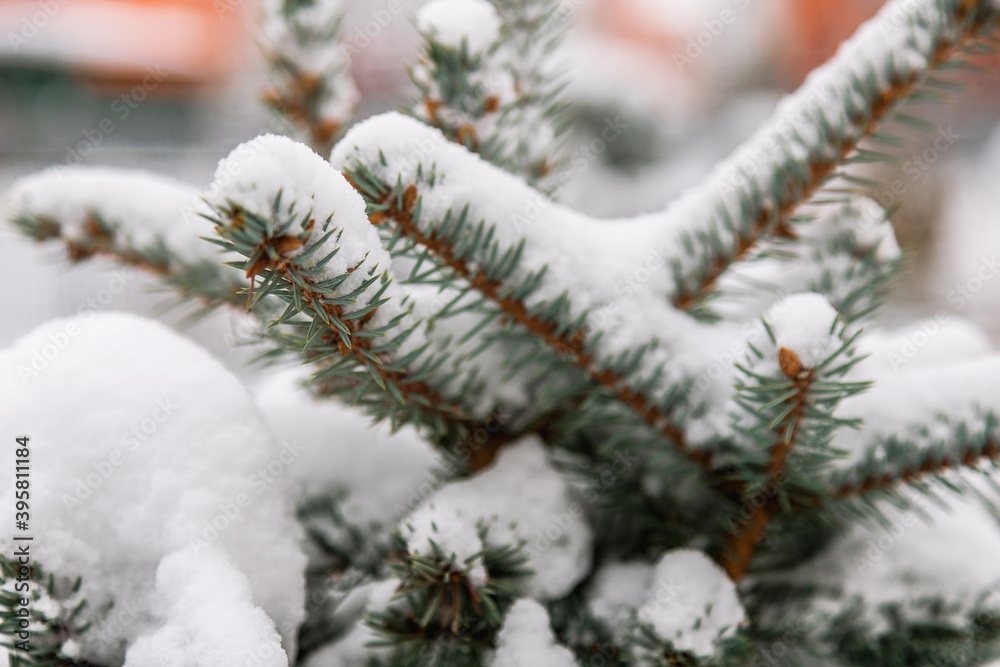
(381, 475)
(693, 603)
(803, 323)
(920, 554)
(618, 590)
(209, 617)
(521, 497)
(451, 22)
(167, 451)
(526, 639)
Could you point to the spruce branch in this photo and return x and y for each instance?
(309, 67)
(55, 612)
(199, 280)
(443, 610)
(498, 99)
(269, 257)
(745, 541)
(906, 461)
(400, 207)
(363, 350)
(787, 400)
(846, 252)
(755, 194)
(152, 230)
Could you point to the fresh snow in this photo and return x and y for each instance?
(526, 639)
(209, 618)
(919, 554)
(151, 453)
(803, 323)
(693, 603)
(900, 403)
(334, 450)
(145, 207)
(452, 22)
(521, 497)
(618, 590)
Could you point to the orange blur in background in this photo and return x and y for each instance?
(121, 42)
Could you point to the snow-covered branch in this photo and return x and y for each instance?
(153, 229)
(309, 67)
(303, 232)
(754, 194)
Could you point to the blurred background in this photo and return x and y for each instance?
(171, 86)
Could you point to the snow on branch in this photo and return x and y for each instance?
(543, 267)
(846, 252)
(303, 234)
(754, 193)
(485, 80)
(917, 425)
(134, 218)
(309, 67)
(882, 585)
(788, 393)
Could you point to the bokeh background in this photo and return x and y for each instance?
(172, 86)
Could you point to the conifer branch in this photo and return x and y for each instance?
(846, 252)
(56, 613)
(766, 209)
(972, 458)
(399, 206)
(309, 67)
(745, 542)
(201, 280)
(498, 99)
(395, 384)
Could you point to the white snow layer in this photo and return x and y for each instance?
(143, 205)
(520, 497)
(526, 639)
(209, 618)
(803, 323)
(618, 590)
(334, 449)
(951, 555)
(259, 171)
(452, 22)
(156, 448)
(305, 37)
(693, 602)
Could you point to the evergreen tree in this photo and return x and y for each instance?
(665, 440)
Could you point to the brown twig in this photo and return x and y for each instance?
(745, 541)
